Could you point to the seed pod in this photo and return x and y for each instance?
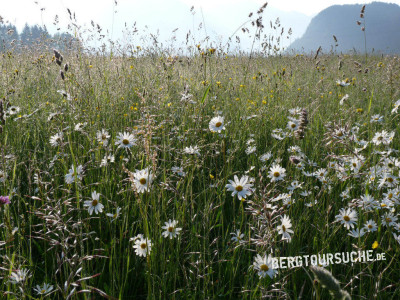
(58, 62)
(62, 75)
(66, 67)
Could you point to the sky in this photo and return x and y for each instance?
(219, 18)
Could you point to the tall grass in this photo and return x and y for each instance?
(47, 230)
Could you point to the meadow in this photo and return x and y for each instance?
(154, 176)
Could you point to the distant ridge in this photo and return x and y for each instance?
(382, 27)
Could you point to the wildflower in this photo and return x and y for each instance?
(192, 150)
(125, 140)
(142, 180)
(65, 94)
(284, 228)
(396, 237)
(240, 187)
(74, 173)
(376, 118)
(19, 276)
(56, 139)
(396, 106)
(342, 83)
(13, 110)
(293, 126)
(250, 150)
(356, 233)
(217, 124)
(114, 216)
(370, 226)
(276, 173)
(107, 160)
(237, 236)
(375, 245)
(46, 288)
(264, 266)
(171, 230)
(80, 126)
(102, 137)
(94, 204)
(265, 157)
(347, 217)
(4, 200)
(179, 171)
(142, 246)
(388, 219)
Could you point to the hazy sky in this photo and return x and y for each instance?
(221, 17)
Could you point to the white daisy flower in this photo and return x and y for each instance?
(114, 216)
(171, 230)
(216, 124)
(142, 180)
(342, 83)
(396, 106)
(250, 150)
(56, 139)
(44, 289)
(192, 150)
(356, 233)
(125, 140)
(107, 160)
(13, 110)
(388, 219)
(237, 236)
(276, 173)
(264, 266)
(179, 171)
(265, 157)
(142, 246)
(376, 118)
(94, 205)
(284, 228)
(293, 125)
(347, 217)
(396, 237)
(19, 276)
(70, 177)
(370, 226)
(102, 137)
(80, 126)
(242, 187)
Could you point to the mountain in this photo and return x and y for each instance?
(381, 21)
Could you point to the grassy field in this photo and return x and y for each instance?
(149, 176)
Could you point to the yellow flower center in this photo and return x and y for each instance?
(346, 218)
(43, 291)
(340, 133)
(142, 181)
(277, 174)
(170, 229)
(264, 268)
(293, 125)
(95, 202)
(283, 228)
(370, 226)
(390, 179)
(103, 137)
(143, 245)
(218, 124)
(380, 138)
(388, 220)
(125, 142)
(390, 195)
(239, 188)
